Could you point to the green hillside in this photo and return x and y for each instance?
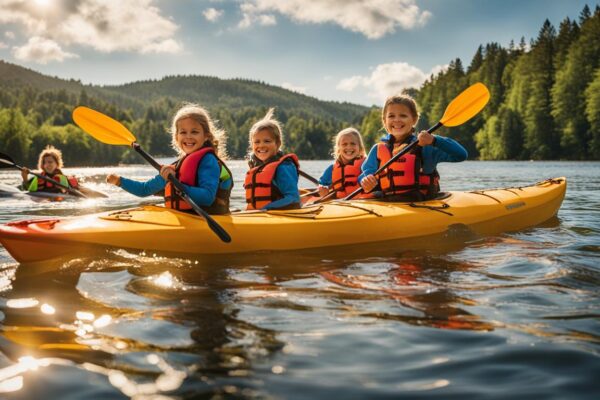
(211, 92)
(37, 111)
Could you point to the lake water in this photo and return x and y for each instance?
(514, 315)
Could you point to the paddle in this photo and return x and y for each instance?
(307, 176)
(312, 193)
(329, 195)
(464, 107)
(109, 131)
(7, 162)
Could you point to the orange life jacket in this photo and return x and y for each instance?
(344, 177)
(47, 186)
(186, 171)
(405, 175)
(260, 190)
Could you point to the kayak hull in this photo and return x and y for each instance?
(10, 191)
(158, 230)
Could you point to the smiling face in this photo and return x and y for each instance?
(190, 135)
(49, 165)
(399, 121)
(264, 145)
(348, 147)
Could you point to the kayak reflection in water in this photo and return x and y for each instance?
(418, 283)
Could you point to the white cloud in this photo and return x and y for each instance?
(103, 25)
(289, 86)
(166, 46)
(212, 14)
(41, 51)
(388, 79)
(9, 34)
(349, 84)
(372, 18)
(3, 45)
(252, 15)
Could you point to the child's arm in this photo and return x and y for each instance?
(208, 182)
(25, 175)
(325, 179)
(142, 189)
(448, 150)
(369, 166)
(286, 180)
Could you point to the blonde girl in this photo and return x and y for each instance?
(199, 167)
(342, 175)
(272, 180)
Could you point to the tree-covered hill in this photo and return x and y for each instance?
(545, 95)
(545, 104)
(211, 92)
(34, 104)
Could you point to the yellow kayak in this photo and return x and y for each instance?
(159, 230)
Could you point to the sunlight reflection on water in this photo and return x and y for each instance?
(448, 319)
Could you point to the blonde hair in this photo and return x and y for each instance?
(403, 99)
(270, 124)
(216, 137)
(347, 132)
(50, 151)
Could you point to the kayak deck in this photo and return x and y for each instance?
(338, 223)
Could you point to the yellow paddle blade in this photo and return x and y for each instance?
(102, 127)
(466, 105)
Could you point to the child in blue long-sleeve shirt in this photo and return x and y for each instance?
(413, 176)
(199, 167)
(272, 181)
(342, 175)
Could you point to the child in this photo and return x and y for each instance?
(199, 167)
(342, 175)
(413, 177)
(272, 181)
(50, 163)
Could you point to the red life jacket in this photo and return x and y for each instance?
(405, 175)
(344, 177)
(260, 190)
(186, 171)
(47, 186)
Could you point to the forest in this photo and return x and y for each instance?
(545, 105)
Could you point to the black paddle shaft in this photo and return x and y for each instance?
(394, 158)
(212, 224)
(307, 176)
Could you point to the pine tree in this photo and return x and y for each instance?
(584, 15)
(567, 33)
(592, 111)
(477, 60)
(568, 93)
(540, 135)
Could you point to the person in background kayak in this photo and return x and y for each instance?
(414, 176)
(272, 181)
(199, 167)
(50, 163)
(342, 175)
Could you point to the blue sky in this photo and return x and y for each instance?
(346, 50)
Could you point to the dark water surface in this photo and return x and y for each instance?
(509, 316)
